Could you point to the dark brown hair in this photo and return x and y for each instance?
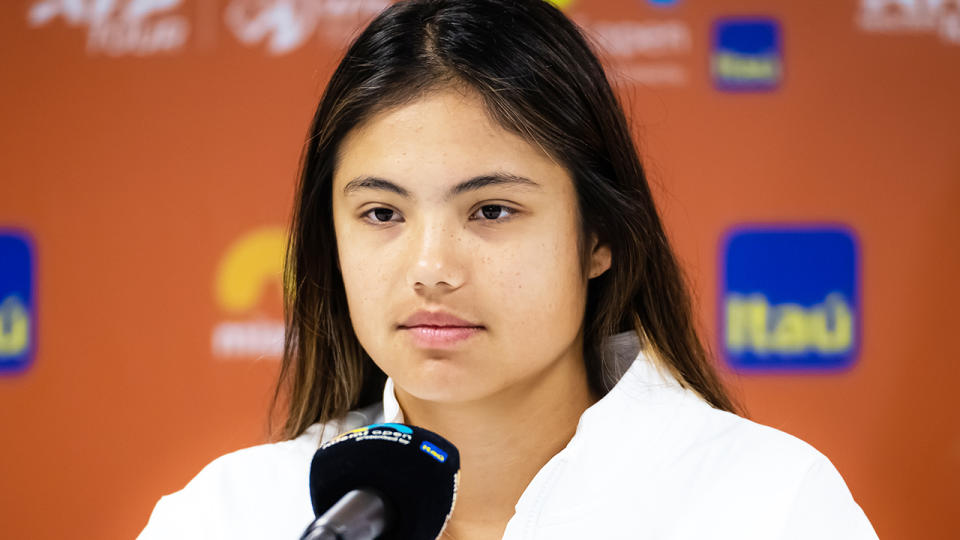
(537, 77)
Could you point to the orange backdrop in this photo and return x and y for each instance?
(150, 149)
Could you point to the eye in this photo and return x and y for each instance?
(495, 212)
(379, 215)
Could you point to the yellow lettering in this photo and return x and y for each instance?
(839, 338)
(753, 324)
(790, 328)
(14, 327)
(747, 322)
(748, 68)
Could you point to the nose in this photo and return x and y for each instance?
(437, 265)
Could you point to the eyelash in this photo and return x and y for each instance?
(511, 211)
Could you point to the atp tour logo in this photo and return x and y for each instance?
(939, 17)
(747, 54)
(149, 27)
(248, 290)
(119, 27)
(285, 25)
(790, 298)
(17, 304)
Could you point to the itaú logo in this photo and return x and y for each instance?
(790, 297)
(747, 54)
(17, 301)
(247, 289)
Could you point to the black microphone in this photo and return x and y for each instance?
(386, 481)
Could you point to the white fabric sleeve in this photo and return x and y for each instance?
(166, 521)
(191, 513)
(178, 517)
(824, 508)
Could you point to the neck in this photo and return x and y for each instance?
(504, 439)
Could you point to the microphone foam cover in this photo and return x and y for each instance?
(415, 469)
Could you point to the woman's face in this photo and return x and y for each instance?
(436, 208)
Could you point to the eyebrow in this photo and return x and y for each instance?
(473, 184)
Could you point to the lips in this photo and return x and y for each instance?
(436, 318)
(438, 329)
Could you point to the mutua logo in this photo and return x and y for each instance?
(249, 271)
(119, 27)
(17, 303)
(747, 54)
(790, 297)
(652, 52)
(940, 17)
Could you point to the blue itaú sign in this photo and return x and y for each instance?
(17, 304)
(790, 298)
(747, 54)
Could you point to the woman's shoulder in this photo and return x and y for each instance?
(798, 486)
(683, 424)
(253, 492)
(697, 471)
(690, 430)
(751, 441)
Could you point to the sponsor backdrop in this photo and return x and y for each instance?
(806, 156)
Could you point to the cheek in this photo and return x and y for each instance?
(359, 269)
(365, 285)
(538, 284)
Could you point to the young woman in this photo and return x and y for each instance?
(475, 250)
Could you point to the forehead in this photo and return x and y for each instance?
(440, 139)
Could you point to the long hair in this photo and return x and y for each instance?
(538, 77)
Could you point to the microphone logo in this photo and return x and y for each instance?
(434, 451)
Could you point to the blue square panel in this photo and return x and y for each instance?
(790, 298)
(747, 54)
(17, 309)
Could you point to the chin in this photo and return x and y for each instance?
(442, 380)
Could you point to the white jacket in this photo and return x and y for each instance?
(648, 461)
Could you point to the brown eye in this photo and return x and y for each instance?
(379, 215)
(491, 211)
(495, 212)
(383, 214)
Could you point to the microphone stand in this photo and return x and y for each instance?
(359, 515)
